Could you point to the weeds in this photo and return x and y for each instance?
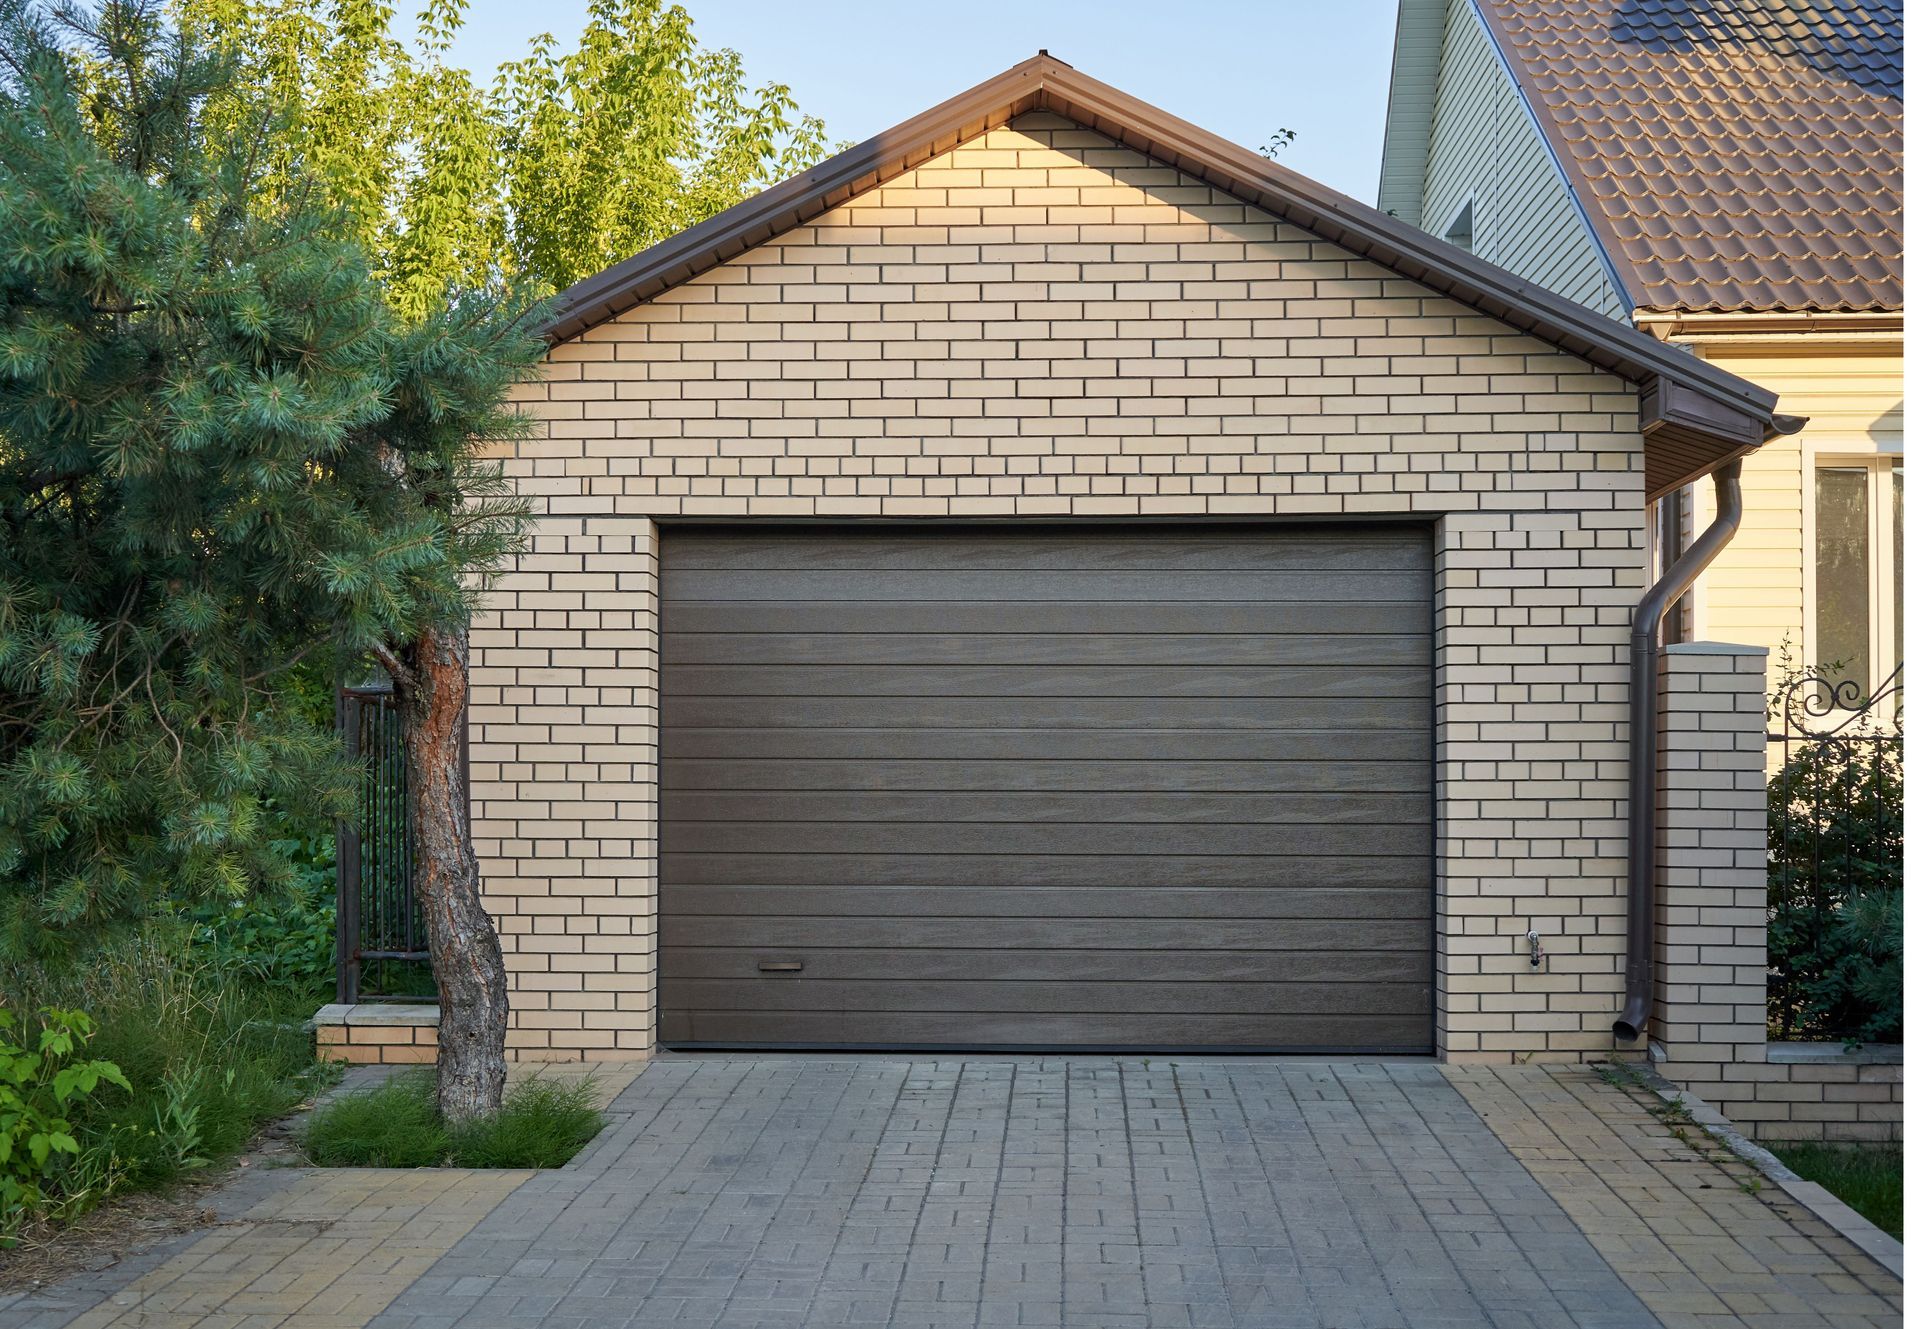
(209, 1053)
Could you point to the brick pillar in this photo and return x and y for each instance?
(1710, 932)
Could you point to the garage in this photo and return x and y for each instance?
(1047, 788)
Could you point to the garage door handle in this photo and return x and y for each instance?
(781, 966)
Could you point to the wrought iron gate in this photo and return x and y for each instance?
(380, 944)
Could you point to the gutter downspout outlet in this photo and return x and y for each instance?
(1643, 737)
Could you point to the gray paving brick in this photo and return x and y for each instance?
(749, 1192)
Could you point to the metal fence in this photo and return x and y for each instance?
(1835, 835)
(380, 943)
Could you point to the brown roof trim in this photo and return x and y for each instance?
(1737, 413)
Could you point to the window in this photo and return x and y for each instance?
(1858, 571)
(1461, 231)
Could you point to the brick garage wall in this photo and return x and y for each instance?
(1042, 323)
(1710, 994)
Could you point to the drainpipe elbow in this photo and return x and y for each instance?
(1632, 1020)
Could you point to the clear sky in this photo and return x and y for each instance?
(1239, 68)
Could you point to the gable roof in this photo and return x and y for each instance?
(1695, 415)
(1731, 155)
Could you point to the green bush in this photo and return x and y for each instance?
(543, 1123)
(41, 1080)
(1834, 889)
(286, 939)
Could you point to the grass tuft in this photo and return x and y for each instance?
(392, 1125)
(542, 1124)
(1865, 1178)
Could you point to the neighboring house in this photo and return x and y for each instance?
(1050, 578)
(1724, 175)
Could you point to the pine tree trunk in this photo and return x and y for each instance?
(460, 935)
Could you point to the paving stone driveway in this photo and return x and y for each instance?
(1103, 1193)
(1100, 1192)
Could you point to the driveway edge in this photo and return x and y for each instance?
(1882, 1248)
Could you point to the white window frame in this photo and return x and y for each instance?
(1880, 464)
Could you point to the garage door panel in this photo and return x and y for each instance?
(1036, 838)
(1321, 649)
(960, 962)
(1185, 777)
(686, 807)
(999, 682)
(1004, 747)
(1396, 712)
(1005, 995)
(1018, 619)
(1059, 549)
(1362, 864)
(1278, 589)
(1409, 898)
(789, 935)
(1319, 1034)
(1028, 788)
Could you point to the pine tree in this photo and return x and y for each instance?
(220, 455)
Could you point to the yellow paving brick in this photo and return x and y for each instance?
(329, 1251)
(1678, 1225)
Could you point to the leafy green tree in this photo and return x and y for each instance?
(221, 454)
(634, 136)
(569, 162)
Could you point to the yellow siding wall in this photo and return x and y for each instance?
(1754, 593)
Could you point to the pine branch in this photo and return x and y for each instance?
(404, 679)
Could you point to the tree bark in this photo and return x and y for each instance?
(461, 938)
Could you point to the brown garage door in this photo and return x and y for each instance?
(1144, 788)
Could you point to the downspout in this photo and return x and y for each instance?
(1643, 737)
(1671, 628)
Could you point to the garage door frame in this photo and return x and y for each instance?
(669, 528)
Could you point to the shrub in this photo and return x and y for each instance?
(41, 1080)
(1834, 887)
(283, 938)
(542, 1123)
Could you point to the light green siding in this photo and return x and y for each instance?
(1486, 149)
(1417, 38)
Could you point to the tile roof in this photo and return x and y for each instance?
(1732, 154)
